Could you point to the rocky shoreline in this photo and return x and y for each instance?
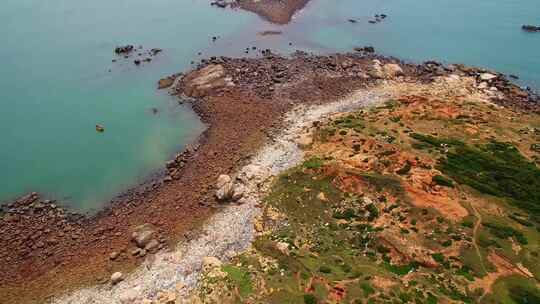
(243, 102)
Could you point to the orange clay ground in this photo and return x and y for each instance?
(376, 214)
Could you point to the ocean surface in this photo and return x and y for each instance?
(58, 81)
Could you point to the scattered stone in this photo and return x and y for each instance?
(152, 246)
(116, 278)
(283, 247)
(322, 197)
(392, 70)
(225, 188)
(166, 298)
(487, 76)
(143, 235)
(210, 262)
(114, 255)
(304, 141)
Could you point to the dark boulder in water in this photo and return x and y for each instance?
(366, 49)
(124, 49)
(530, 28)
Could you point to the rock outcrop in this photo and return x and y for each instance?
(209, 78)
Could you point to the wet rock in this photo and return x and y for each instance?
(352, 21)
(166, 82)
(116, 278)
(137, 61)
(530, 28)
(155, 51)
(219, 3)
(366, 49)
(126, 49)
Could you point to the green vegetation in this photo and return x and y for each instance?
(367, 289)
(313, 163)
(384, 183)
(401, 269)
(434, 141)
(406, 168)
(514, 289)
(497, 169)
(504, 232)
(310, 299)
(240, 278)
(354, 122)
(442, 181)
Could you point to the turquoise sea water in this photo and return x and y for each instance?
(55, 84)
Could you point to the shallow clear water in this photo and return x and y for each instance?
(484, 33)
(55, 84)
(55, 87)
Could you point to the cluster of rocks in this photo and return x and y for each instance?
(141, 55)
(228, 189)
(530, 28)
(365, 49)
(146, 240)
(35, 227)
(175, 165)
(124, 50)
(378, 18)
(264, 76)
(496, 85)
